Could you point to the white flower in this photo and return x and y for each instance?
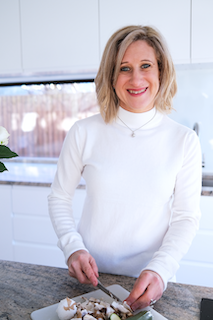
(4, 136)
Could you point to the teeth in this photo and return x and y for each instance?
(136, 92)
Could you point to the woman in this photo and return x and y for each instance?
(142, 172)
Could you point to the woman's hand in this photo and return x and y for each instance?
(147, 288)
(82, 266)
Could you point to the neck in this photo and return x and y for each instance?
(136, 120)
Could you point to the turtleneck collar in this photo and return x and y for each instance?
(136, 120)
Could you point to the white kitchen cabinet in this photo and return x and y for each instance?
(172, 18)
(10, 37)
(66, 37)
(27, 235)
(60, 35)
(196, 268)
(26, 230)
(6, 236)
(202, 26)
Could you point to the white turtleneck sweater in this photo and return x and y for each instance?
(142, 204)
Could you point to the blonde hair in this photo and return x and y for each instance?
(110, 65)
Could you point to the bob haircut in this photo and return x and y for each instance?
(110, 67)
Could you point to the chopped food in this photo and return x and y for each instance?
(92, 309)
(114, 316)
(66, 309)
(95, 309)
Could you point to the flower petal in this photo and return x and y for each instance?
(4, 135)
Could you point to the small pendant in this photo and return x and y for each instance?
(133, 134)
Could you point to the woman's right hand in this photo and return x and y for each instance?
(82, 266)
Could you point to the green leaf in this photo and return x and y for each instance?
(2, 167)
(5, 152)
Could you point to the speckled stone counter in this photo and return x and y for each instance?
(25, 288)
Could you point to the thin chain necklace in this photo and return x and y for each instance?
(133, 131)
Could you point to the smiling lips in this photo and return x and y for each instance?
(137, 92)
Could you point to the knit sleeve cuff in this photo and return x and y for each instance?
(71, 248)
(166, 266)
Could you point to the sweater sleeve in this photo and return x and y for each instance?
(69, 170)
(185, 213)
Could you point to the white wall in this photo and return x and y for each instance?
(194, 103)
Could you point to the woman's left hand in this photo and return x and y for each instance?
(147, 288)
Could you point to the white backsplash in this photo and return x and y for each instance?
(194, 103)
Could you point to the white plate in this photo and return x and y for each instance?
(49, 313)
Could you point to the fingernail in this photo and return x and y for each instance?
(128, 304)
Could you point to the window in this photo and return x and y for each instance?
(39, 116)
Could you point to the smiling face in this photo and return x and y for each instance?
(138, 79)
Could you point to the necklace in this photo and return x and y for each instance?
(133, 131)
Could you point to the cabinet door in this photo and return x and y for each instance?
(172, 18)
(196, 268)
(10, 53)
(6, 233)
(33, 237)
(202, 26)
(60, 35)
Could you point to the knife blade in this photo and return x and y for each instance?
(108, 292)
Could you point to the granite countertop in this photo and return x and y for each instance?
(25, 288)
(41, 173)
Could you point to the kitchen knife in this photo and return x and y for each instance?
(108, 292)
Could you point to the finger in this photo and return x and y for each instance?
(88, 271)
(78, 274)
(138, 290)
(94, 267)
(144, 300)
(83, 268)
(153, 292)
(76, 269)
(137, 302)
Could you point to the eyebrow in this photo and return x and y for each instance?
(140, 61)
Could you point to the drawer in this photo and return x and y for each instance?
(206, 206)
(33, 201)
(33, 230)
(201, 248)
(199, 274)
(6, 235)
(30, 200)
(41, 255)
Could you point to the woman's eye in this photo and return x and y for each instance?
(125, 69)
(145, 66)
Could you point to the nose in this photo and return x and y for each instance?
(136, 78)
